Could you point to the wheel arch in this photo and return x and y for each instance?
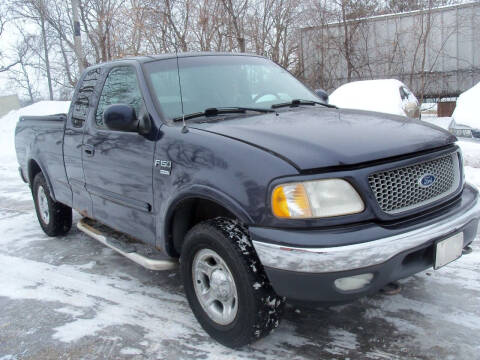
(184, 212)
(34, 167)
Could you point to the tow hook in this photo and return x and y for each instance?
(467, 250)
(392, 288)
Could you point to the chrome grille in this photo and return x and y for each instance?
(399, 190)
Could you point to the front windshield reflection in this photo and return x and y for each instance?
(222, 81)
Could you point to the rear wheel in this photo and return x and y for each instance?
(226, 285)
(54, 218)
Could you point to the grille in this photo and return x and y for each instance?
(400, 190)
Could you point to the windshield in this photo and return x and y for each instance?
(221, 81)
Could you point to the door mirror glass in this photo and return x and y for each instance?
(121, 87)
(322, 94)
(120, 117)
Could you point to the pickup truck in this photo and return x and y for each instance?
(231, 168)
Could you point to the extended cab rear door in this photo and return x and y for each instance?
(82, 107)
(118, 165)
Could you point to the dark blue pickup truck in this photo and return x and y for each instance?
(230, 167)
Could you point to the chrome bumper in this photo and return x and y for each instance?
(350, 257)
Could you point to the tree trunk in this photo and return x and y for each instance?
(346, 44)
(29, 86)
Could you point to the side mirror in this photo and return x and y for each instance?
(120, 117)
(322, 94)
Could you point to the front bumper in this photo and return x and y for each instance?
(308, 273)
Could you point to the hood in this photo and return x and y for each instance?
(321, 137)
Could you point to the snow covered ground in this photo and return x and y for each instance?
(71, 297)
(443, 122)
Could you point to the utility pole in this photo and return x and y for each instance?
(77, 36)
(45, 49)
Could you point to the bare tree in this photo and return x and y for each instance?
(207, 24)
(236, 11)
(3, 21)
(21, 74)
(36, 11)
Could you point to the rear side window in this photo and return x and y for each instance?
(121, 87)
(84, 98)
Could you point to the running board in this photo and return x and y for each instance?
(140, 253)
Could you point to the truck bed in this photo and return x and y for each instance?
(39, 140)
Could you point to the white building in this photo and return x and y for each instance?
(436, 50)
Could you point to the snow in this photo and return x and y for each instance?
(130, 351)
(467, 110)
(430, 108)
(372, 95)
(471, 152)
(86, 301)
(443, 122)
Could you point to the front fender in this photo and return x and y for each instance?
(201, 192)
(230, 173)
(212, 194)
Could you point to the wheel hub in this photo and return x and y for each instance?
(215, 287)
(220, 285)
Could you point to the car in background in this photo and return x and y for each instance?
(466, 121)
(389, 96)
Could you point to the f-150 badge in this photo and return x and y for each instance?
(165, 166)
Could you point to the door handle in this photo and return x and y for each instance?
(89, 150)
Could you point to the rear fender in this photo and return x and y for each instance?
(32, 171)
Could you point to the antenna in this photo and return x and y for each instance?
(184, 129)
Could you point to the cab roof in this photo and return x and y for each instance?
(148, 58)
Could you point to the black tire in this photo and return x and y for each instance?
(259, 308)
(59, 215)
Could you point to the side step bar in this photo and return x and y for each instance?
(148, 257)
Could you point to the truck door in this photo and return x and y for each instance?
(81, 108)
(118, 165)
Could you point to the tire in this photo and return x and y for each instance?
(54, 218)
(258, 309)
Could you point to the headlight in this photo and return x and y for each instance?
(315, 199)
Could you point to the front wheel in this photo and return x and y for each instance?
(226, 285)
(55, 218)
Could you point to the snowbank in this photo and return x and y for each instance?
(443, 122)
(471, 153)
(430, 108)
(373, 95)
(9, 121)
(467, 109)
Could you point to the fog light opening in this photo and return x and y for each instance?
(354, 282)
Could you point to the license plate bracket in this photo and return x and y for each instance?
(448, 250)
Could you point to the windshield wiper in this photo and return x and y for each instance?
(222, 110)
(297, 102)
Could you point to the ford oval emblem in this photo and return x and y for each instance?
(426, 180)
